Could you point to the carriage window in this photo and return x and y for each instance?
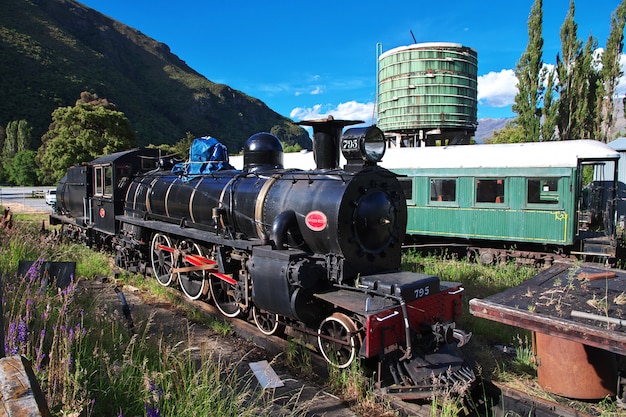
(442, 189)
(543, 191)
(490, 191)
(406, 184)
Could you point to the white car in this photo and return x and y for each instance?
(51, 197)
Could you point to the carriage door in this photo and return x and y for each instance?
(596, 204)
(102, 204)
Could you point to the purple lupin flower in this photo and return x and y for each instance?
(10, 341)
(22, 332)
(152, 411)
(33, 271)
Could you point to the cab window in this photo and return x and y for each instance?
(103, 181)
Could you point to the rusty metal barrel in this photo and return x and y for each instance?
(575, 370)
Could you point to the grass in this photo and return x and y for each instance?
(90, 365)
(357, 389)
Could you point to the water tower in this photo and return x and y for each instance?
(427, 93)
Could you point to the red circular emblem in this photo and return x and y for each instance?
(316, 221)
(102, 213)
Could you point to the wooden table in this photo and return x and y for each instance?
(550, 303)
(577, 313)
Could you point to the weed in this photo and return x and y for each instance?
(449, 400)
(351, 382)
(299, 357)
(599, 304)
(221, 327)
(620, 299)
(524, 354)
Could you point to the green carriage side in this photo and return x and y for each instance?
(549, 196)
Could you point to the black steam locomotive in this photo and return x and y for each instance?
(318, 251)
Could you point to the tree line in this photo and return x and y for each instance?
(573, 99)
(78, 134)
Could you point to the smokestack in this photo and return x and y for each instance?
(326, 140)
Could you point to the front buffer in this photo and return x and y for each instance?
(408, 327)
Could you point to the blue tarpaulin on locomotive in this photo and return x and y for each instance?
(206, 155)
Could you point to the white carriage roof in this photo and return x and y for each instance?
(292, 160)
(513, 155)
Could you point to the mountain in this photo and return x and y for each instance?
(487, 126)
(52, 50)
(620, 119)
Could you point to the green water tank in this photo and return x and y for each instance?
(427, 86)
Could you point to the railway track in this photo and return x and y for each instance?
(495, 400)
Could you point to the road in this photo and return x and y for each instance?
(24, 199)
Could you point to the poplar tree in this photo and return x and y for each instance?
(18, 138)
(550, 106)
(565, 64)
(529, 80)
(611, 70)
(587, 93)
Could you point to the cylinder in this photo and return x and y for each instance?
(575, 370)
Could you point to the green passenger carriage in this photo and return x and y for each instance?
(528, 200)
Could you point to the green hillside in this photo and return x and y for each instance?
(51, 50)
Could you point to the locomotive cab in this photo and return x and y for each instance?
(91, 195)
(112, 175)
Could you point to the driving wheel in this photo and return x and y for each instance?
(191, 282)
(162, 256)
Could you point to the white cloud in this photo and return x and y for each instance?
(497, 89)
(350, 110)
(317, 90)
(304, 113)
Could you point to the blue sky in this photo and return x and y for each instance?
(307, 60)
